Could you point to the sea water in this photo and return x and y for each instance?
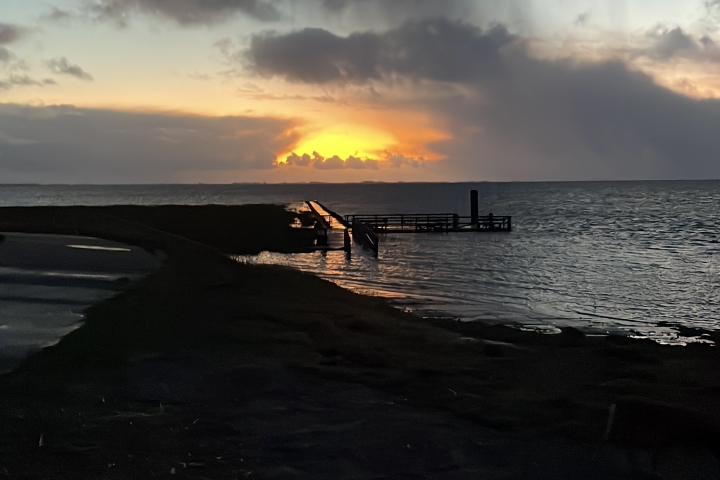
(639, 258)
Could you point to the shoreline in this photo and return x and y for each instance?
(662, 332)
(201, 357)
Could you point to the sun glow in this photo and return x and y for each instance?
(345, 141)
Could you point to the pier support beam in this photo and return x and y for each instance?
(346, 241)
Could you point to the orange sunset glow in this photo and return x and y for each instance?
(370, 141)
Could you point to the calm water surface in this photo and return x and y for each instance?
(634, 257)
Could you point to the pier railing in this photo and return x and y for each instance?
(434, 222)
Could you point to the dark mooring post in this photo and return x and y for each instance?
(474, 215)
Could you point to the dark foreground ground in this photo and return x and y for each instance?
(213, 369)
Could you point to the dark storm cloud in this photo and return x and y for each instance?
(66, 144)
(9, 33)
(513, 116)
(63, 66)
(314, 55)
(184, 12)
(445, 51)
(379, 15)
(433, 49)
(561, 120)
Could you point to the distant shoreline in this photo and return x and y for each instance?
(371, 182)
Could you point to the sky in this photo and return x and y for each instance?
(223, 91)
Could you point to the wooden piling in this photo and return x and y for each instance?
(346, 241)
(474, 210)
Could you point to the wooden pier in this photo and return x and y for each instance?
(366, 227)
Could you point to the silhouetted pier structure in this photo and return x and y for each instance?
(366, 227)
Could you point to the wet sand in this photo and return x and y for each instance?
(47, 281)
(213, 369)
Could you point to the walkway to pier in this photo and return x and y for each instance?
(332, 219)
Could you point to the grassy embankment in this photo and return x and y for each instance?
(166, 370)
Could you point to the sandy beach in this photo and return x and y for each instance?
(209, 368)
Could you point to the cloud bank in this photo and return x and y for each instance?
(330, 163)
(385, 160)
(63, 143)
